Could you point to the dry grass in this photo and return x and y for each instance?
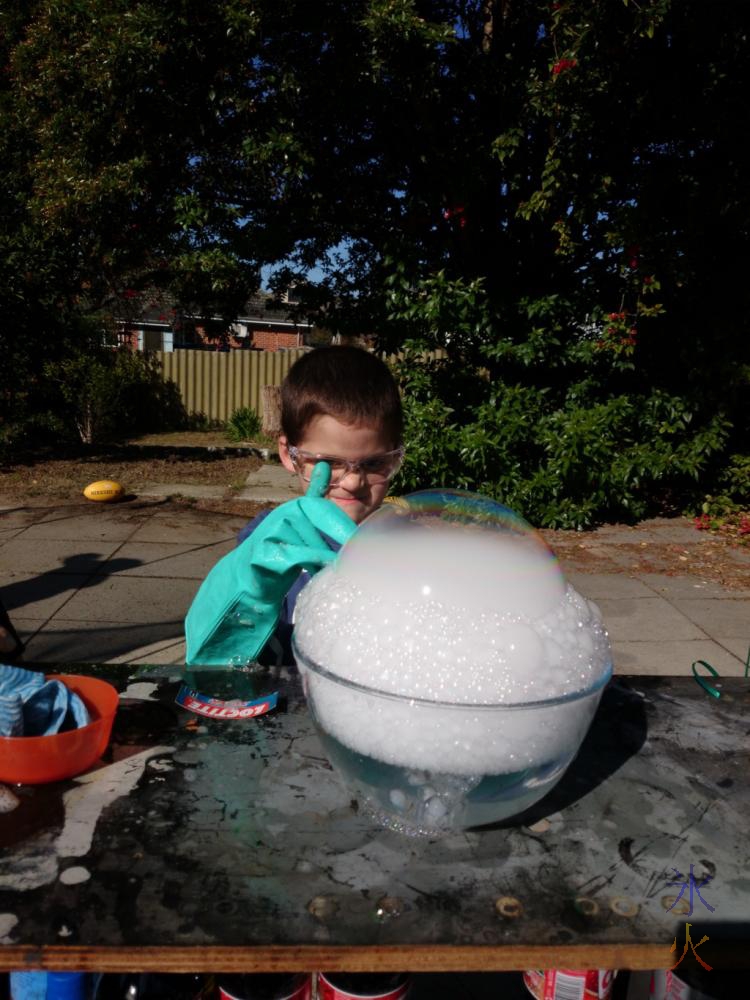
(711, 557)
(62, 478)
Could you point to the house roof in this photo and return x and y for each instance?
(156, 308)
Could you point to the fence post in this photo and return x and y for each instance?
(271, 410)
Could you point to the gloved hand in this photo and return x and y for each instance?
(238, 604)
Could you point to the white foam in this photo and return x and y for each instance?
(465, 617)
(458, 566)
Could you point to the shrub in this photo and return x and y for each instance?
(561, 456)
(107, 393)
(243, 425)
(732, 496)
(735, 479)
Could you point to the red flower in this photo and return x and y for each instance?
(648, 280)
(633, 263)
(562, 64)
(702, 522)
(745, 525)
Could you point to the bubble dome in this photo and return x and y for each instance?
(450, 669)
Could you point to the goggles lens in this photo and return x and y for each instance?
(375, 468)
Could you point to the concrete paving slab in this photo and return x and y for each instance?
(270, 484)
(95, 525)
(131, 599)
(620, 558)
(35, 596)
(605, 585)
(26, 627)
(671, 657)
(739, 647)
(273, 474)
(266, 496)
(98, 641)
(648, 618)
(22, 517)
(677, 530)
(189, 527)
(618, 534)
(687, 586)
(6, 533)
(52, 556)
(727, 616)
(183, 490)
(160, 652)
(169, 560)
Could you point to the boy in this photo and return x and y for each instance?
(342, 428)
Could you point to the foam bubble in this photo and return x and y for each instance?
(450, 598)
(465, 552)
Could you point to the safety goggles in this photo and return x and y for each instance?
(375, 468)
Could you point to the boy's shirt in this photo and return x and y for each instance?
(278, 649)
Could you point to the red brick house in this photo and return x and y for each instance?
(265, 325)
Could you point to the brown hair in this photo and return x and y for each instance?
(347, 383)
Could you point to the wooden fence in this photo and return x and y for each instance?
(216, 384)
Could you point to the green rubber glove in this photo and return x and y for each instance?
(238, 605)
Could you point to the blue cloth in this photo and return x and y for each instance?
(278, 649)
(31, 706)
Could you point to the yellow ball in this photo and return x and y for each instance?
(103, 491)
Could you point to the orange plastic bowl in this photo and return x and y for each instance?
(34, 760)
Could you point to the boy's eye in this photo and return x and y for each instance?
(375, 464)
(337, 467)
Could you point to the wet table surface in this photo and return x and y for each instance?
(202, 844)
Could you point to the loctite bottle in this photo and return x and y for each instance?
(266, 986)
(361, 985)
(233, 692)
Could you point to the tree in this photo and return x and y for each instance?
(551, 192)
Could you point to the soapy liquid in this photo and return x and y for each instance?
(427, 803)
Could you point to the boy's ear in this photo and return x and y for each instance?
(284, 456)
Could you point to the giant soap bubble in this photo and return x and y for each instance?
(451, 671)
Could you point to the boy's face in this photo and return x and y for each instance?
(325, 435)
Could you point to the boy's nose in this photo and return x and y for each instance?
(355, 473)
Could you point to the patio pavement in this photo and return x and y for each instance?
(112, 583)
